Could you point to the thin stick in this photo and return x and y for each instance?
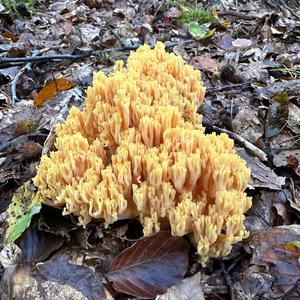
(228, 281)
(116, 36)
(90, 53)
(234, 13)
(256, 151)
(20, 139)
(4, 60)
(227, 87)
(14, 82)
(159, 7)
(289, 139)
(289, 9)
(13, 86)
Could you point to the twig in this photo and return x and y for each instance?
(228, 281)
(295, 142)
(44, 58)
(121, 238)
(234, 13)
(227, 87)
(116, 36)
(289, 9)
(14, 97)
(256, 151)
(289, 139)
(19, 140)
(84, 54)
(13, 86)
(293, 189)
(159, 7)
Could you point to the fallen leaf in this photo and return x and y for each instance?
(10, 255)
(294, 118)
(222, 22)
(170, 14)
(52, 221)
(94, 3)
(89, 33)
(213, 284)
(295, 202)
(25, 203)
(200, 31)
(204, 63)
(261, 175)
(241, 43)
(8, 74)
(189, 289)
(289, 158)
(54, 279)
(10, 35)
(37, 245)
(59, 7)
(224, 41)
(254, 284)
(25, 126)
(150, 266)
(275, 90)
(30, 150)
(81, 278)
(67, 27)
(51, 89)
(277, 248)
(247, 124)
(269, 209)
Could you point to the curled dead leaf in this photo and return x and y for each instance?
(51, 89)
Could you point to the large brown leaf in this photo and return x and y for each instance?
(150, 266)
(278, 248)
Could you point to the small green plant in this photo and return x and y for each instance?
(198, 15)
(293, 72)
(10, 5)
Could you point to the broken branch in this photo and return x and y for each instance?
(45, 58)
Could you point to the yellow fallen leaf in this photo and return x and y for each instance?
(292, 246)
(222, 22)
(206, 35)
(51, 89)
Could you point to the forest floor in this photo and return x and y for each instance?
(248, 53)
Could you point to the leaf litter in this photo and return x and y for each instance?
(249, 58)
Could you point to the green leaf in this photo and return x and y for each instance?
(200, 32)
(195, 29)
(25, 203)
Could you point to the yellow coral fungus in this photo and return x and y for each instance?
(138, 149)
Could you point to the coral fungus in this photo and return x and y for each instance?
(138, 149)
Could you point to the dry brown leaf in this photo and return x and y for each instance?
(150, 266)
(10, 35)
(94, 3)
(67, 27)
(51, 89)
(205, 63)
(278, 249)
(261, 175)
(57, 278)
(189, 289)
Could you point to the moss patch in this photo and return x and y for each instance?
(10, 5)
(198, 15)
